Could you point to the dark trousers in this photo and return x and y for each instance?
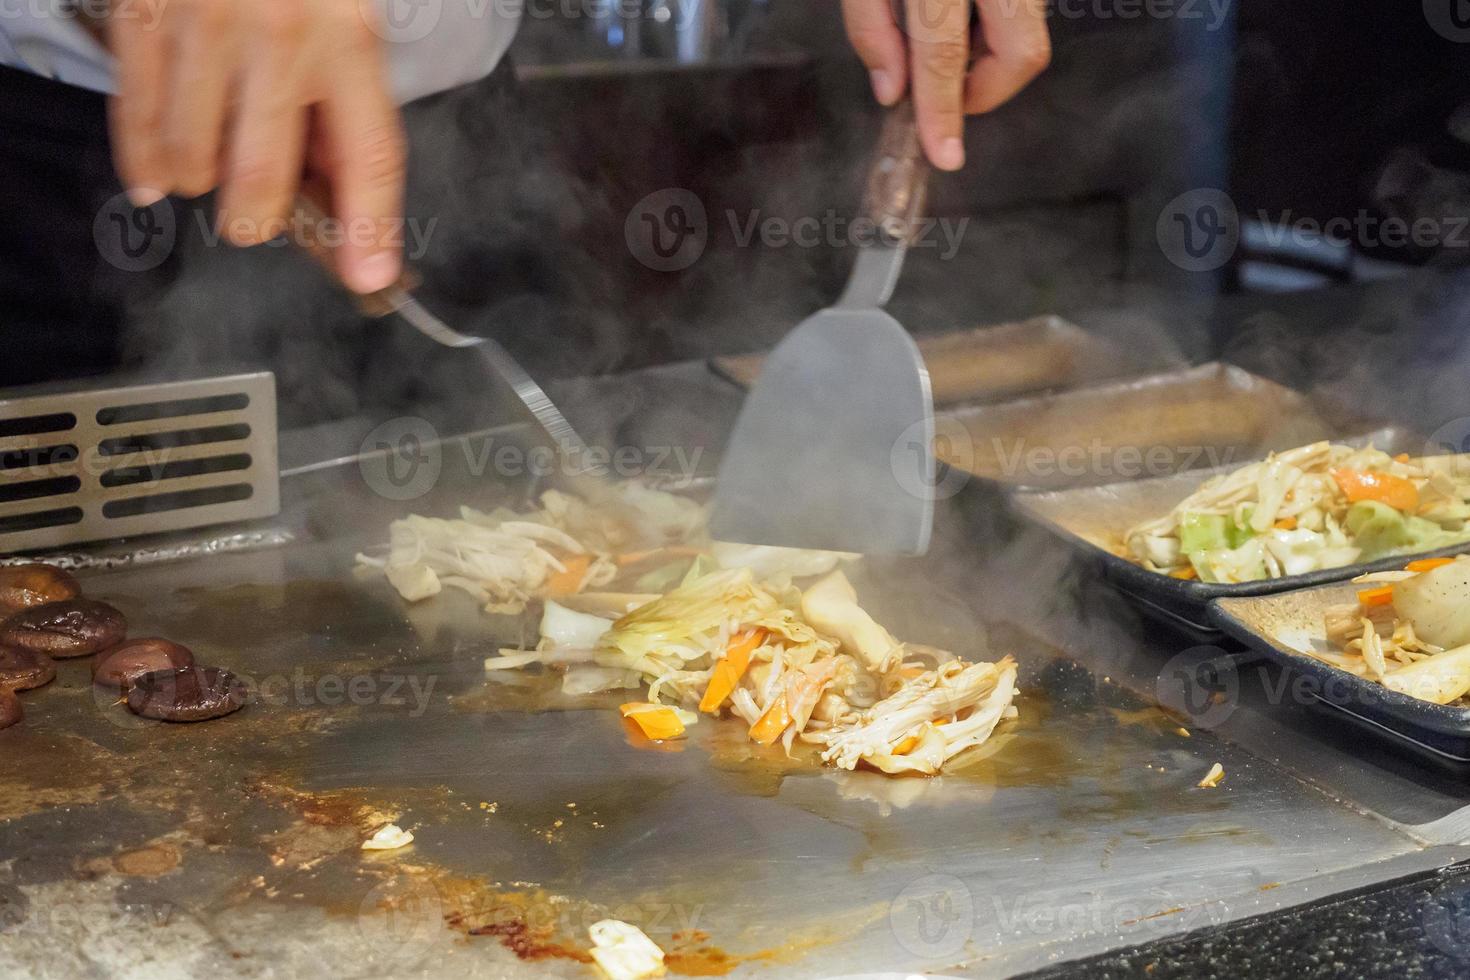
(59, 312)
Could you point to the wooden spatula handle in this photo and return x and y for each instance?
(898, 182)
(313, 236)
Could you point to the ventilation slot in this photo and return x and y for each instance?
(134, 475)
(34, 425)
(183, 500)
(152, 442)
(35, 489)
(44, 519)
(115, 463)
(16, 459)
(149, 411)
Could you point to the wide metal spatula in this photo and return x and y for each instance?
(833, 448)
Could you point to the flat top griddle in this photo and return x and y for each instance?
(231, 848)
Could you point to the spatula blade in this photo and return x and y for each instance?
(834, 446)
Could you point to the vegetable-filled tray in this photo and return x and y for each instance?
(989, 364)
(1368, 649)
(1100, 520)
(1202, 417)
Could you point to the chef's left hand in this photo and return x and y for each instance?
(931, 54)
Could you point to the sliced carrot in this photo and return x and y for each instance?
(906, 746)
(909, 673)
(1187, 572)
(656, 721)
(1401, 458)
(633, 736)
(1428, 564)
(1285, 524)
(1381, 596)
(1395, 491)
(569, 580)
(730, 668)
(770, 725)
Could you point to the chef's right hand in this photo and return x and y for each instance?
(933, 54)
(248, 95)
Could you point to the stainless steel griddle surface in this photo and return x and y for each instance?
(231, 849)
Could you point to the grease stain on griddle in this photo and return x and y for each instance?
(282, 795)
(148, 862)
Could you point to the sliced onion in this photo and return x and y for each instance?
(567, 628)
(595, 680)
(1437, 604)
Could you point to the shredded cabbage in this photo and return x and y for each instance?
(714, 626)
(1298, 507)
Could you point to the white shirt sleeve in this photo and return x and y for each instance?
(430, 45)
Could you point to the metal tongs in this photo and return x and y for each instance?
(398, 299)
(834, 448)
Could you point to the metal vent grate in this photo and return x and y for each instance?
(88, 466)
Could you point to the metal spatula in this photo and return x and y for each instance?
(834, 446)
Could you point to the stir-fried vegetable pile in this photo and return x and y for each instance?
(505, 559)
(1409, 630)
(711, 628)
(1320, 506)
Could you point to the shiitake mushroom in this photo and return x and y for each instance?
(71, 628)
(10, 710)
(120, 667)
(22, 670)
(25, 586)
(189, 694)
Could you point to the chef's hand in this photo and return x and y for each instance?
(931, 54)
(246, 96)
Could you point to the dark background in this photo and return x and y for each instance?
(1298, 109)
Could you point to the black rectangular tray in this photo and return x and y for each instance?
(1278, 625)
(1093, 519)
